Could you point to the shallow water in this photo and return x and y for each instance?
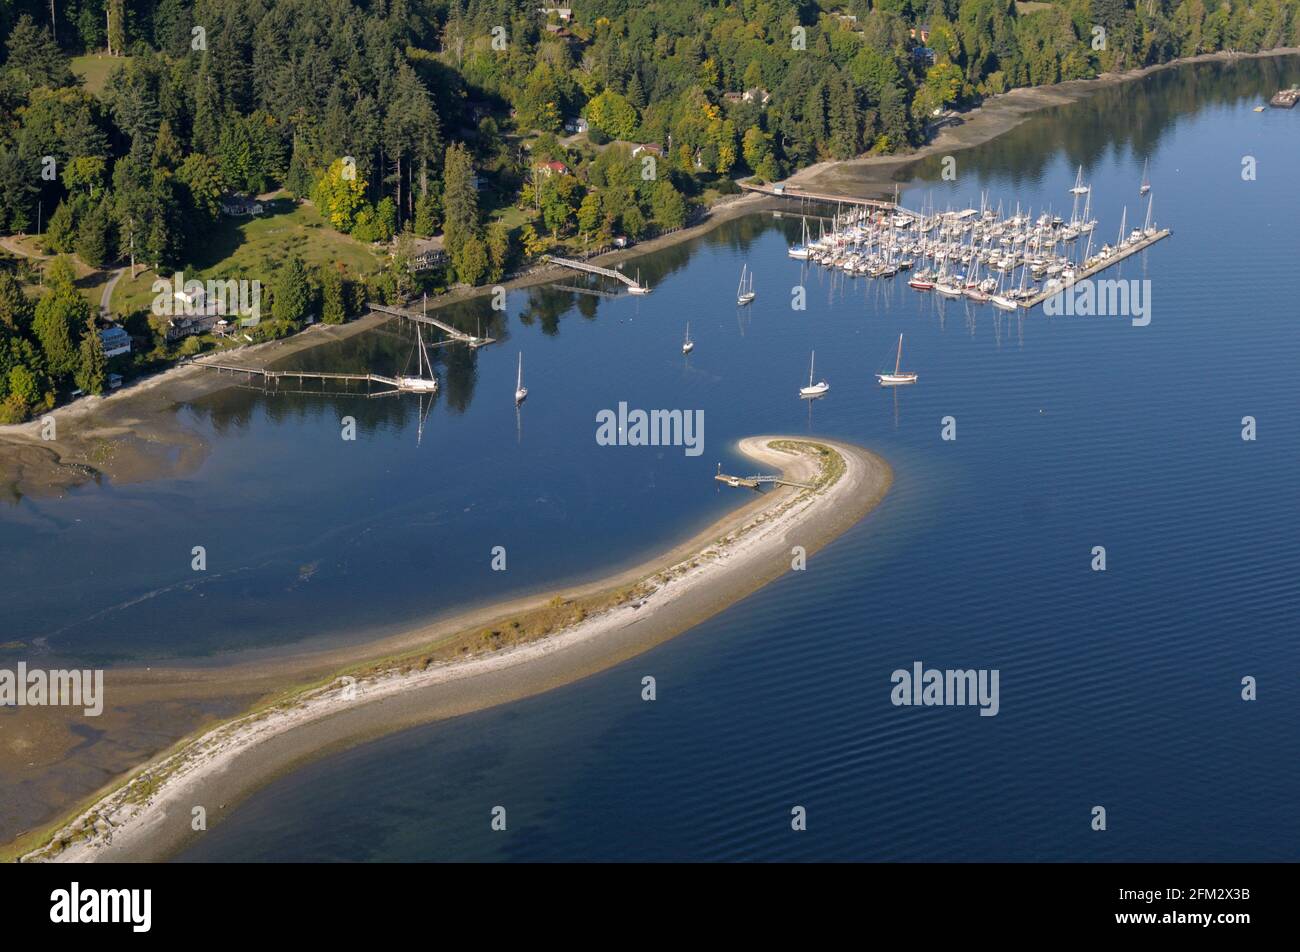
(1118, 689)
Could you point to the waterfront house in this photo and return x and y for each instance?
(115, 341)
(551, 168)
(186, 326)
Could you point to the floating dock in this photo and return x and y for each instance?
(632, 286)
(1114, 259)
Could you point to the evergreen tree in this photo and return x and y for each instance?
(459, 198)
(92, 237)
(91, 366)
(61, 230)
(15, 309)
(333, 306)
(291, 293)
(60, 315)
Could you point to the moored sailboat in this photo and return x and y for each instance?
(813, 390)
(521, 392)
(745, 292)
(898, 377)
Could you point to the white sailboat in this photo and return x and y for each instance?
(1079, 187)
(801, 251)
(745, 292)
(999, 297)
(420, 383)
(521, 392)
(638, 288)
(897, 378)
(688, 345)
(1146, 182)
(813, 390)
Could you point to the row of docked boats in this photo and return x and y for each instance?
(973, 253)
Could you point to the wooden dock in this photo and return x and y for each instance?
(454, 333)
(756, 482)
(781, 190)
(632, 286)
(299, 375)
(1114, 259)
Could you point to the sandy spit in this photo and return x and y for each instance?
(149, 817)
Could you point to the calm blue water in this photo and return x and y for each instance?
(1119, 689)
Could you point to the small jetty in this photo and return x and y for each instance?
(784, 190)
(633, 286)
(453, 332)
(756, 482)
(1285, 98)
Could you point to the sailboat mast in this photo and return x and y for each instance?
(898, 361)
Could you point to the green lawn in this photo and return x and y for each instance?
(94, 69)
(253, 249)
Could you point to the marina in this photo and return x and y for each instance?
(976, 253)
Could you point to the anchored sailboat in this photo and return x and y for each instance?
(688, 345)
(897, 378)
(1146, 182)
(813, 390)
(521, 392)
(745, 292)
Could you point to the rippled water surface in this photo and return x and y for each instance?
(1119, 689)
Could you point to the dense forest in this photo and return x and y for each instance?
(400, 120)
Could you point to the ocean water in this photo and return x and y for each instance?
(1119, 689)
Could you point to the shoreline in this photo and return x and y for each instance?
(146, 816)
(192, 699)
(125, 437)
(996, 115)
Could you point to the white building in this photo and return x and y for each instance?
(115, 341)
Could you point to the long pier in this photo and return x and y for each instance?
(299, 375)
(632, 286)
(781, 190)
(1114, 259)
(453, 332)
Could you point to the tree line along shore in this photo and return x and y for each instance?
(337, 152)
